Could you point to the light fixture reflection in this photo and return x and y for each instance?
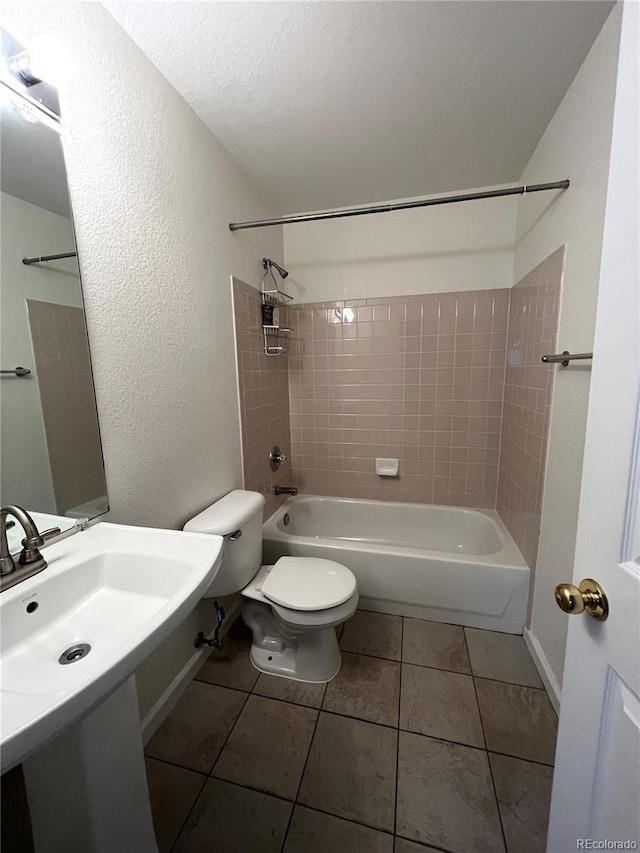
(45, 59)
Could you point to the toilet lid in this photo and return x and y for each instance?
(307, 583)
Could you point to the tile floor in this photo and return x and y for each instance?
(432, 737)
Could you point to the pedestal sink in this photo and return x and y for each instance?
(71, 638)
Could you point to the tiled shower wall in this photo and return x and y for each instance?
(264, 398)
(533, 323)
(65, 384)
(417, 378)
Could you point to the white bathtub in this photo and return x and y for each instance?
(443, 563)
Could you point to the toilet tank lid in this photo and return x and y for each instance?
(228, 514)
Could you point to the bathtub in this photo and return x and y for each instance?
(448, 564)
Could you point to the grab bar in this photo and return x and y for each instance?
(17, 371)
(565, 357)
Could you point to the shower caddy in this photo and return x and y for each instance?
(274, 333)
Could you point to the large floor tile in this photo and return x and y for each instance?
(404, 846)
(234, 820)
(172, 791)
(445, 796)
(268, 747)
(435, 644)
(231, 665)
(351, 771)
(194, 732)
(315, 832)
(365, 687)
(288, 690)
(440, 704)
(524, 799)
(517, 720)
(502, 657)
(376, 634)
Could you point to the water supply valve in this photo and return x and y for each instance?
(215, 642)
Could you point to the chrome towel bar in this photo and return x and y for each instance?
(565, 357)
(17, 371)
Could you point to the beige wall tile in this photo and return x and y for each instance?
(264, 396)
(533, 320)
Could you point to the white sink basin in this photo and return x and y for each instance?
(119, 589)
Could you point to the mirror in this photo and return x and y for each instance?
(50, 451)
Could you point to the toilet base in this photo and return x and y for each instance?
(310, 656)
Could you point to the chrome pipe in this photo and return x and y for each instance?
(44, 258)
(565, 357)
(402, 205)
(17, 371)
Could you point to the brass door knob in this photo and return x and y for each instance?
(587, 596)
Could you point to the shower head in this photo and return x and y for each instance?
(267, 263)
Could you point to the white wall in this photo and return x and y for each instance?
(576, 145)
(153, 192)
(464, 246)
(27, 230)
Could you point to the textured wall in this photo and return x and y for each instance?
(533, 324)
(451, 247)
(263, 387)
(153, 192)
(576, 145)
(419, 378)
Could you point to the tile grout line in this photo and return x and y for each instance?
(211, 770)
(386, 725)
(186, 820)
(310, 808)
(395, 801)
(306, 761)
(486, 750)
(442, 669)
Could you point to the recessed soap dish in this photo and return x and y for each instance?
(387, 467)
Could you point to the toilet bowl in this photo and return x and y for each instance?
(292, 607)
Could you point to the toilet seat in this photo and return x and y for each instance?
(308, 584)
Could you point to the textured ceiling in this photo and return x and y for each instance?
(339, 103)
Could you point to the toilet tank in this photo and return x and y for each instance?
(238, 517)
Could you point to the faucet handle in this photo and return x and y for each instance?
(50, 533)
(39, 540)
(30, 545)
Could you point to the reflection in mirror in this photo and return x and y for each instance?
(50, 452)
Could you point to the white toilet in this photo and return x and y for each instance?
(292, 607)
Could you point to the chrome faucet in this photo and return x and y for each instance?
(285, 490)
(30, 560)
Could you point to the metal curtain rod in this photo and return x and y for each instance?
(17, 371)
(45, 258)
(565, 357)
(403, 205)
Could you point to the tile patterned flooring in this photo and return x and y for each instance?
(431, 738)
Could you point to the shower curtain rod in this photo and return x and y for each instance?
(44, 258)
(403, 205)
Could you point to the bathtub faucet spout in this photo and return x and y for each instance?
(285, 490)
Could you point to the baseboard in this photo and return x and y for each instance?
(167, 702)
(542, 665)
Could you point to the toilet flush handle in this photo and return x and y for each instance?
(233, 537)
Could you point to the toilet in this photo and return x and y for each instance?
(293, 607)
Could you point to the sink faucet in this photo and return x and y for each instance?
(30, 559)
(285, 490)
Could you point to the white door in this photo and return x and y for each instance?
(596, 790)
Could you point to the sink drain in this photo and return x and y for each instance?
(74, 653)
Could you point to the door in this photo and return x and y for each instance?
(596, 790)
